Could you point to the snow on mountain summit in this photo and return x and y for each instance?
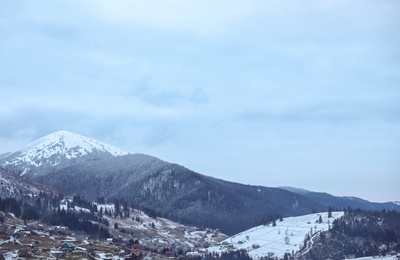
(52, 149)
(70, 145)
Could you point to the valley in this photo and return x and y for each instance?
(156, 236)
(116, 205)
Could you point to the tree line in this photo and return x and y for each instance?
(359, 233)
(46, 208)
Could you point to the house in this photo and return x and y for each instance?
(25, 251)
(136, 251)
(69, 246)
(170, 253)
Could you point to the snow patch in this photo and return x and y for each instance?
(58, 145)
(286, 236)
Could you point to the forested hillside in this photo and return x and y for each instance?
(358, 233)
(177, 193)
(46, 208)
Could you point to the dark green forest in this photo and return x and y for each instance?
(46, 208)
(358, 233)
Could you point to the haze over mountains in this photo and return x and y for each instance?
(75, 164)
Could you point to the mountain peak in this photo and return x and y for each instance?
(53, 149)
(70, 145)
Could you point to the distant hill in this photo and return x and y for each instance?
(329, 200)
(359, 233)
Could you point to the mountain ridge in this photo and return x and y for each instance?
(177, 193)
(327, 200)
(166, 189)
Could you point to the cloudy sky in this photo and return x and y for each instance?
(273, 93)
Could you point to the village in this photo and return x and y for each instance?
(139, 237)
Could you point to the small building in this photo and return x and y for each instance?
(69, 246)
(136, 251)
(4, 235)
(25, 251)
(170, 253)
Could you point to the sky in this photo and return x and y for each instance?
(262, 92)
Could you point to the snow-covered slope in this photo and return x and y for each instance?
(286, 236)
(389, 257)
(55, 149)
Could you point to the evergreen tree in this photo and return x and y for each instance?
(117, 207)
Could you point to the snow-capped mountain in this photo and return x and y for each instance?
(73, 164)
(57, 149)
